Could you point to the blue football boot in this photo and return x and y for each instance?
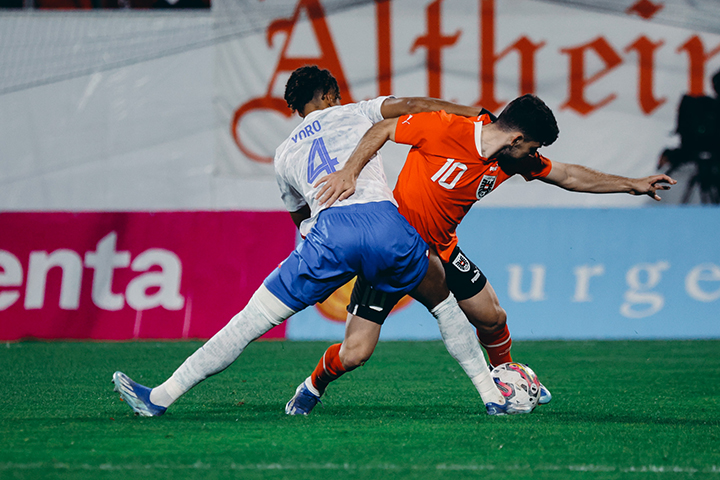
(302, 402)
(137, 396)
(496, 409)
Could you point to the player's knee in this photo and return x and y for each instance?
(352, 358)
(492, 322)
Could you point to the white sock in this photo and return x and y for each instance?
(263, 312)
(460, 340)
(311, 387)
(487, 388)
(165, 394)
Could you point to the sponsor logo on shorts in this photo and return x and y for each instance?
(462, 263)
(486, 185)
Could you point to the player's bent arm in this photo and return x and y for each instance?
(341, 184)
(300, 215)
(578, 178)
(395, 107)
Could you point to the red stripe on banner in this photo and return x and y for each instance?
(134, 275)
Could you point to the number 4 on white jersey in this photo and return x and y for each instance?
(326, 164)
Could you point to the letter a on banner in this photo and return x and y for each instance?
(328, 54)
(328, 59)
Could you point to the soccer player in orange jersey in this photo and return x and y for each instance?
(456, 161)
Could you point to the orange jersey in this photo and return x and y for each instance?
(445, 173)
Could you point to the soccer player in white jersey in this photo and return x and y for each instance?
(364, 236)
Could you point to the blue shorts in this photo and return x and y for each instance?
(371, 240)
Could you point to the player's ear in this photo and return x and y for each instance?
(517, 138)
(332, 97)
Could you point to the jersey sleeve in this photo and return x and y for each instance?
(438, 133)
(371, 109)
(535, 166)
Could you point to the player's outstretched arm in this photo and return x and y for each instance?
(341, 184)
(396, 107)
(577, 178)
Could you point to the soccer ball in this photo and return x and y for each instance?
(519, 385)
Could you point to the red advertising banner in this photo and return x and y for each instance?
(134, 275)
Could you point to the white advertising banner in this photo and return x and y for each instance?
(613, 81)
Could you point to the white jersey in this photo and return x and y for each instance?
(322, 144)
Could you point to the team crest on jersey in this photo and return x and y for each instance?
(462, 263)
(486, 185)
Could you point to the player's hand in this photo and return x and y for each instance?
(338, 186)
(650, 185)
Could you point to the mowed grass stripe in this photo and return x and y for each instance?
(637, 409)
(302, 469)
(316, 467)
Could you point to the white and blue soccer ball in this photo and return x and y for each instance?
(519, 385)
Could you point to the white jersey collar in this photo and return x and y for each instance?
(478, 138)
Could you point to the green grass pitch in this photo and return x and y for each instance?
(638, 410)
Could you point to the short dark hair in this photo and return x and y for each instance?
(306, 82)
(530, 116)
(716, 82)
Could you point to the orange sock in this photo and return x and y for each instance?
(329, 368)
(497, 345)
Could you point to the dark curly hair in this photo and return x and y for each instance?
(530, 116)
(306, 82)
